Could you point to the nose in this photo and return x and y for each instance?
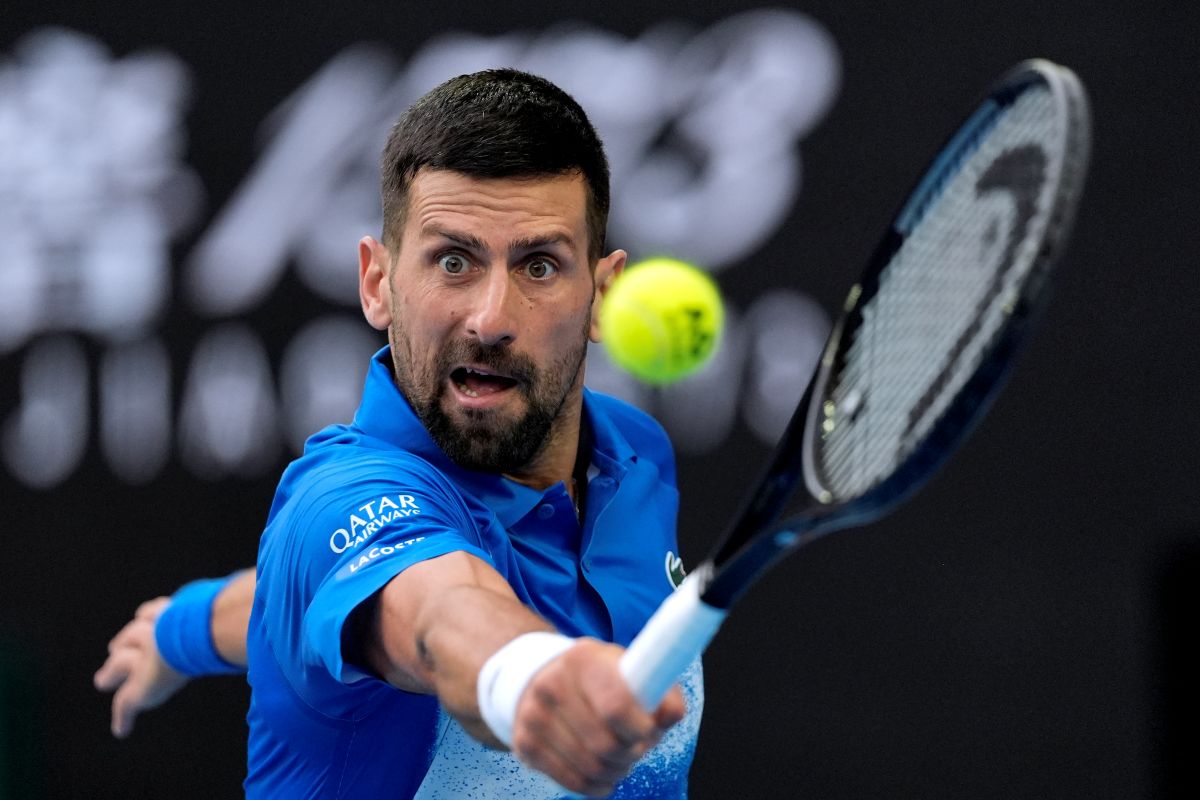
(492, 315)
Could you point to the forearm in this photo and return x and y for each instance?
(231, 617)
(561, 704)
(457, 638)
(438, 622)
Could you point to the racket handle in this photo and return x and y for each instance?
(678, 632)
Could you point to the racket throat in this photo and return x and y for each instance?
(728, 581)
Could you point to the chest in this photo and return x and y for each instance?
(602, 575)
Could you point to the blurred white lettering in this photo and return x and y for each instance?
(227, 426)
(135, 409)
(702, 128)
(45, 439)
(92, 189)
(322, 374)
(787, 331)
(701, 132)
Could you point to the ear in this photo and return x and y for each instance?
(607, 270)
(374, 288)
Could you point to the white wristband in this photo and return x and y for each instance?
(506, 674)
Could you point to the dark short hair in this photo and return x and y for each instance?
(499, 123)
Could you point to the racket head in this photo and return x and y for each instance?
(929, 332)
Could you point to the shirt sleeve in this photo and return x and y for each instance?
(342, 535)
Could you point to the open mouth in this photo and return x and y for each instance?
(474, 382)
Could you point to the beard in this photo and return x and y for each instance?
(488, 440)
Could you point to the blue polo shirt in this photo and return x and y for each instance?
(368, 500)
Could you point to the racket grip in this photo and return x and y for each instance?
(677, 632)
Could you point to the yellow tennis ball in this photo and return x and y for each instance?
(661, 319)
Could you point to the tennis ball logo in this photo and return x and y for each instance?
(662, 320)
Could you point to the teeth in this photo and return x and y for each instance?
(466, 390)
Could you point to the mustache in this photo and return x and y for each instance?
(494, 358)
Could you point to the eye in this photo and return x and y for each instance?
(453, 263)
(540, 269)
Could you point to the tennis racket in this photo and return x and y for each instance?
(923, 343)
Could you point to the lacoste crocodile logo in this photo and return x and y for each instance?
(674, 567)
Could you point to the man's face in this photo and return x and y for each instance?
(489, 308)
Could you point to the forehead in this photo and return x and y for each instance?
(542, 206)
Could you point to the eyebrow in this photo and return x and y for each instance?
(462, 239)
(539, 242)
(526, 244)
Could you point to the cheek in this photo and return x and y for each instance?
(569, 331)
(427, 315)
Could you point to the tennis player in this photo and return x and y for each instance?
(444, 586)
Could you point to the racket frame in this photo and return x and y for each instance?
(756, 540)
(687, 620)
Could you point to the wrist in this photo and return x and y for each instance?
(183, 631)
(504, 676)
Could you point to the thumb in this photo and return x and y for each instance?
(672, 708)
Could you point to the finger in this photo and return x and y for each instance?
(125, 709)
(114, 671)
(631, 728)
(623, 717)
(122, 637)
(671, 710)
(151, 608)
(136, 633)
(559, 719)
(549, 760)
(582, 740)
(614, 724)
(606, 731)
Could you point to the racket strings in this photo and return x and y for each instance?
(942, 298)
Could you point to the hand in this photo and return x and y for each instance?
(578, 722)
(136, 671)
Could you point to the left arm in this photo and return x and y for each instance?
(137, 672)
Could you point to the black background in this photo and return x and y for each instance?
(1023, 628)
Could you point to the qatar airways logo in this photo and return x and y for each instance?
(374, 516)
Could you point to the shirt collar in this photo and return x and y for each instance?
(386, 414)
